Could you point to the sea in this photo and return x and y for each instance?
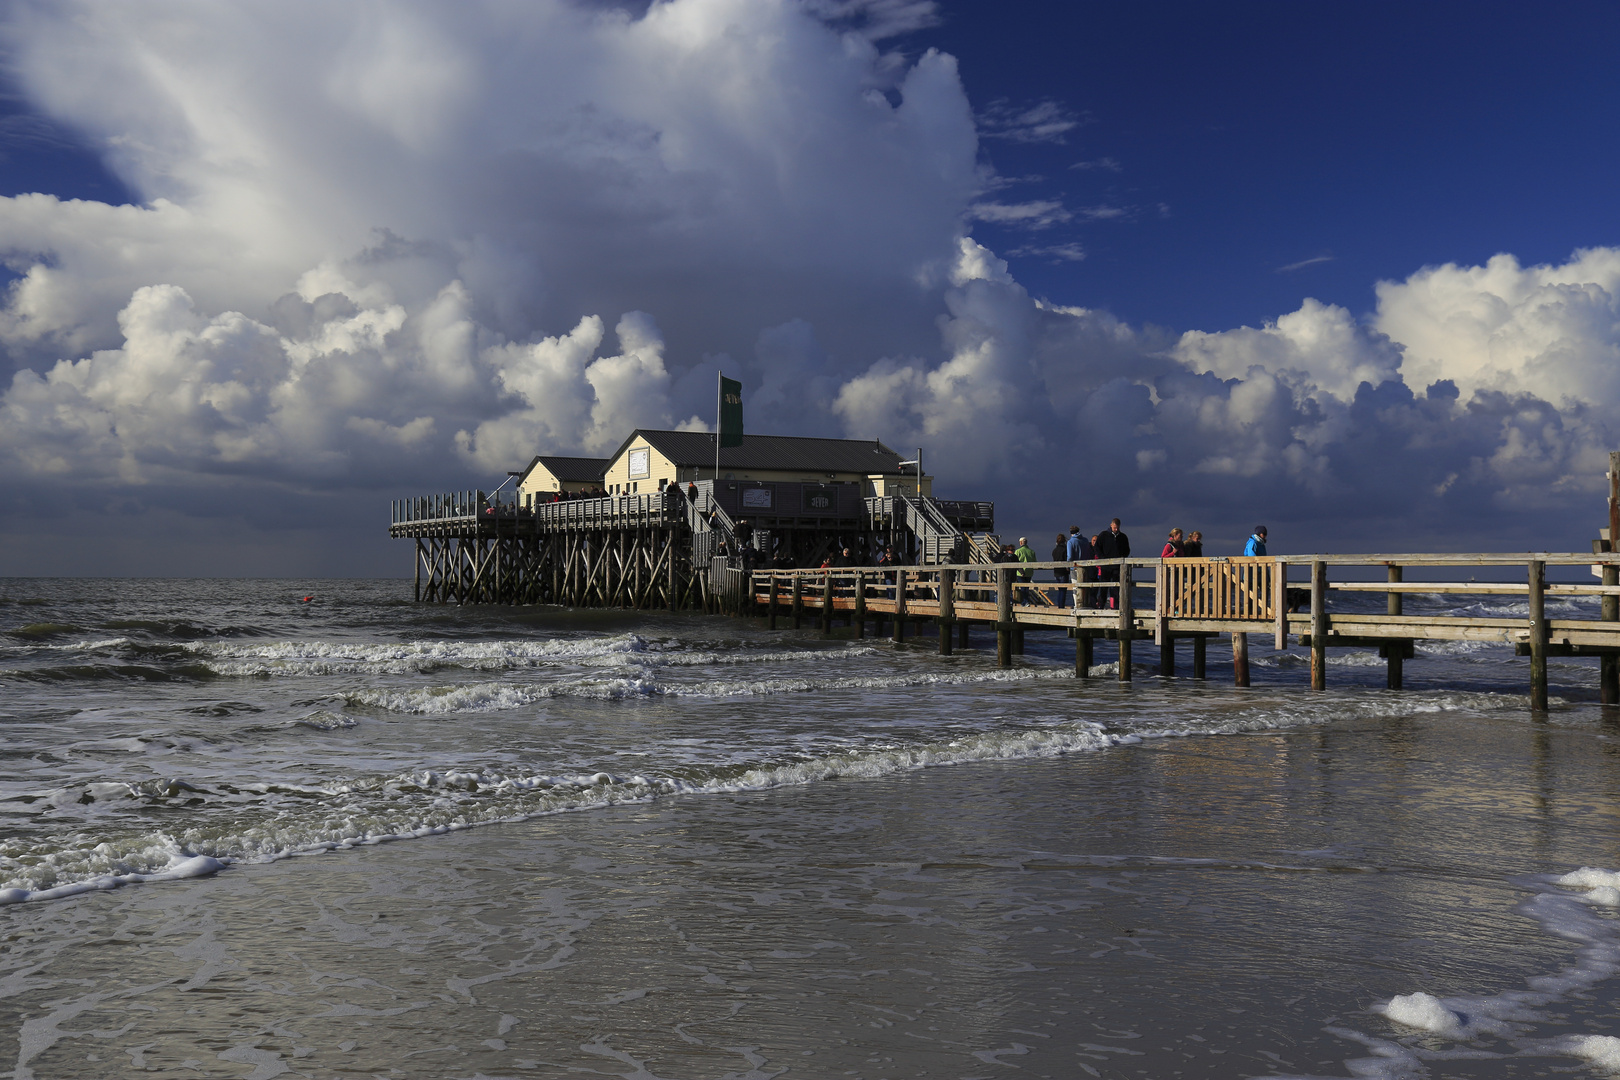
(310, 828)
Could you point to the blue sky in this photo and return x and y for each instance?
(1378, 137)
(1187, 263)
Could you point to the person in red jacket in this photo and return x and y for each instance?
(1173, 547)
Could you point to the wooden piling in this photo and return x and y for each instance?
(1198, 656)
(1609, 665)
(1397, 656)
(962, 635)
(1127, 623)
(1167, 656)
(947, 609)
(1240, 658)
(1082, 655)
(771, 617)
(899, 606)
(860, 604)
(1319, 623)
(1004, 618)
(798, 601)
(1538, 636)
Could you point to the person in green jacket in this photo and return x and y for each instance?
(1024, 554)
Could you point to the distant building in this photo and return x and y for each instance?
(546, 476)
(649, 461)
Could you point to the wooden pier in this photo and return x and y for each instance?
(667, 549)
(1197, 599)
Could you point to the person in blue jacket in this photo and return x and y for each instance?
(1257, 542)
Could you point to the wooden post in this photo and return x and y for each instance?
(962, 635)
(771, 618)
(1199, 650)
(1004, 617)
(899, 606)
(860, 604)
(669, 548)
(1396, 649)
(1538, 636)
(1167, 656)
(1279, 604)
(1082, 655)
(947, 609)
(798, 601)
(1240, 658)
(826, 603)
(419, 569)
(1127, 622)
(1319, 622)
(1609, 665)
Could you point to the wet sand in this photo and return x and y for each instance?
(1215, 907)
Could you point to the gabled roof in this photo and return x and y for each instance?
(572, 470)
(783, 452)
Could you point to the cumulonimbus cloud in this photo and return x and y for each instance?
(378, 244)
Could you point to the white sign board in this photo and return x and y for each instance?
(640, 464)
(757, 498)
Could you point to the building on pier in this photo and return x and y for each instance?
(778, 502)
(649, 461)
(548, 476)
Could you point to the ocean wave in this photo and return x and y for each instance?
(321, 658)
(424, 802)
(498, 696)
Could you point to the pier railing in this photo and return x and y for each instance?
(471, 509)
(1198, 598)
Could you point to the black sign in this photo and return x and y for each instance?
(820, 499)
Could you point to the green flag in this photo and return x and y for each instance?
(731, 425)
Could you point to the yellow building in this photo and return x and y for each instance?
(649, 461)
(546, 476)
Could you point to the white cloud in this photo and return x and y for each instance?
(1045, 121)
(383, 245)
(1035, 214)
(1549, 330)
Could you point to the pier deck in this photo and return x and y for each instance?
(1200, 598)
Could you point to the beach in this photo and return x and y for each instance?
(511, 842)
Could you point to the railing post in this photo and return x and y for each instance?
(947, 609)
(770, 618)
(1319, 622)
(1279, 603)
(1003, 617)
(1609, 665)
(899, 606)
(1538, 635)
(860, 604)
(798, 601)
(826, 603)
(1396, 649)
(1127, 622)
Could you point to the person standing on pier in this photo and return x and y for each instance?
(1173, 547)
(1024, 554)
(1060, 553)
(1194, 547)
(1257, 542)
(1113, 544)
(1080, 550)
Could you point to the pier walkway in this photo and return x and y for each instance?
(1286, 598)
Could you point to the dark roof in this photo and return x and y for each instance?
(784, 452)
(572, 470)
